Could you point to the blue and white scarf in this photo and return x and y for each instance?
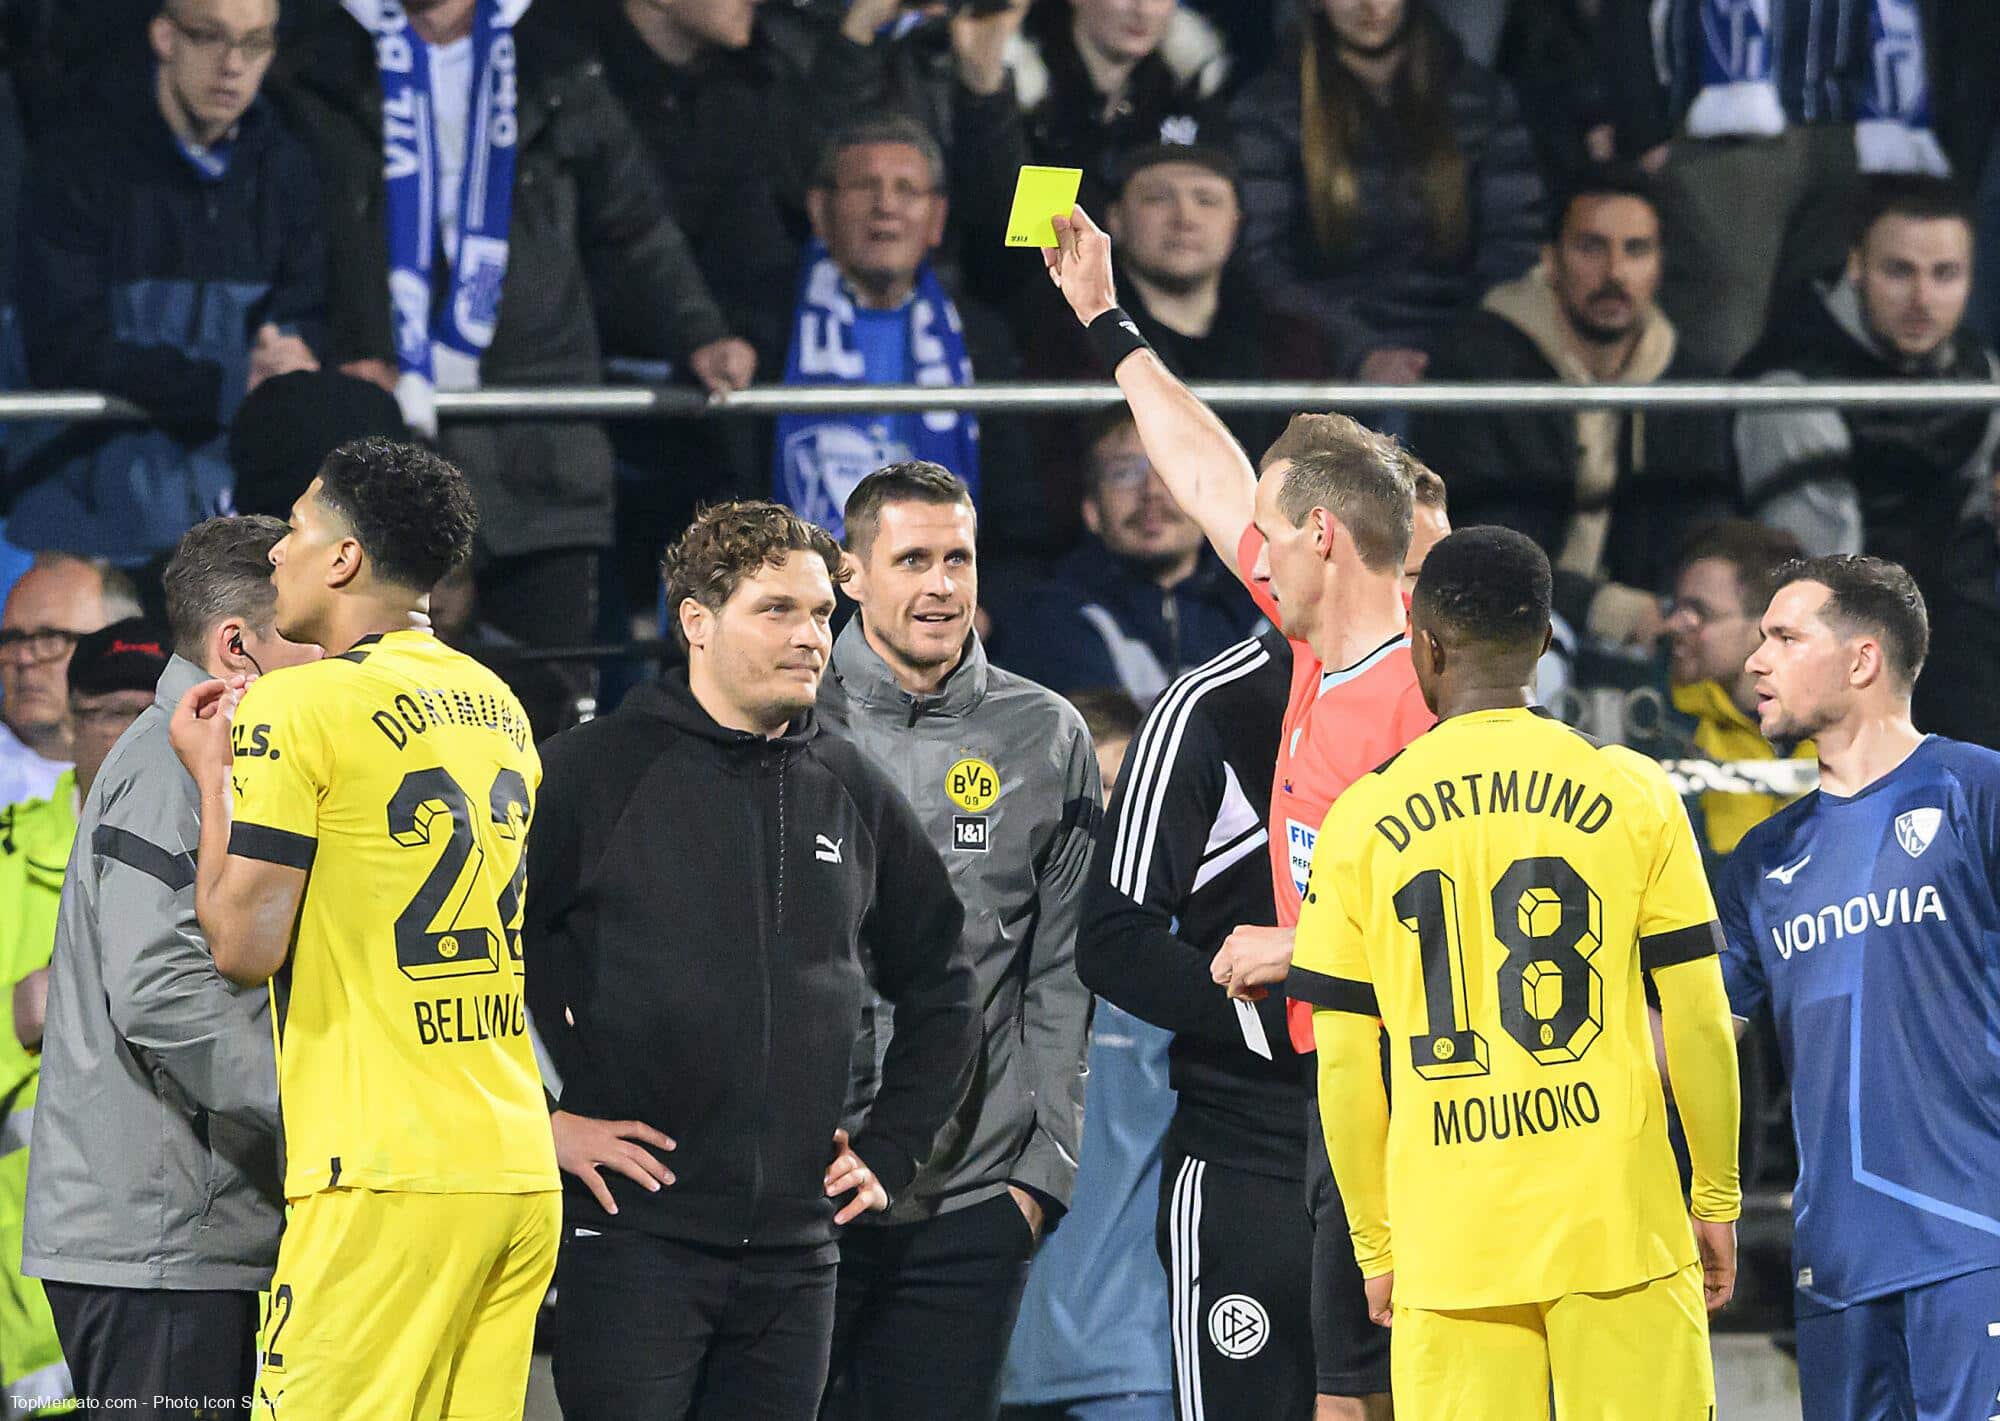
(821, 457)
(1738, 97)
(444, 347)
(1892, 128)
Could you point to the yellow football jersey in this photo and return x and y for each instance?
(401, 775)
(1492, 895)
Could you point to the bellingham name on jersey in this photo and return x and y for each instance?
(1869, 927)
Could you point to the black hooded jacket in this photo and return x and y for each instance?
(697, 899)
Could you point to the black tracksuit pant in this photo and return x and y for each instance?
(653, 1329)
(925, 1314)
(151, 1352)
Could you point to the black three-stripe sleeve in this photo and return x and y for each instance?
(1690, 944)
(1150, 853)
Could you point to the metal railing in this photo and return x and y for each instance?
(600, 402)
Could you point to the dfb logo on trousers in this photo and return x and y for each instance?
(1238, 1326)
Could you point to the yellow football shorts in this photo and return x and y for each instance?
(1640, 1354)
(406, 1305)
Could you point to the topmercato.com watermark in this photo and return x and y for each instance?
(197, 1408)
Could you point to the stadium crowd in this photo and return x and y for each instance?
(1072, 1124)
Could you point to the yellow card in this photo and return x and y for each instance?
(1041, 195)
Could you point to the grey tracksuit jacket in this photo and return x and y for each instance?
(154, 1158)
(1003, 774)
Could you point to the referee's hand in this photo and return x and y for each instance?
(850, 1172)
(584, 1145)
(1080, 265)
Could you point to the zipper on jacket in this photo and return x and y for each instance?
(771, 945)
(1170, 613)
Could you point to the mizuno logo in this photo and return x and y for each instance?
(1787, 874)
(827, 850)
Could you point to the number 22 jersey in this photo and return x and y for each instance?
(1492, 894)
(401, 775)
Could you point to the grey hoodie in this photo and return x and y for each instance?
(154, 1160)
(1002, 773)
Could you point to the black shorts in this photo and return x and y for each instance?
(1260, 1324)
(1351, 1354)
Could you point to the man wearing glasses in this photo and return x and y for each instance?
(1720, 591)
(1142, 599)
(56, 601)
(172, 253)
(872, 310)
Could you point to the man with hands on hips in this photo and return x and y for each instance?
(705, 867)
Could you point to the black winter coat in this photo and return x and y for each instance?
(731, 154)
(1390, 289)
(1959, 692)
(693, 960)
(143, 279)
(1171, 97)
(590, 241)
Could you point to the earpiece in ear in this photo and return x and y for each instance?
(236, 643)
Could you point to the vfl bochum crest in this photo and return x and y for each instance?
(1916, 829)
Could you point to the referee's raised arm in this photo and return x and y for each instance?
(1194, 453)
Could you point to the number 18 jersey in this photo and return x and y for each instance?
(401, 776)
(1492, 895)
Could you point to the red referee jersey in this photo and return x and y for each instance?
(1339, 725)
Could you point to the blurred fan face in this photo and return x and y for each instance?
(1123, 30)
(49, 608)
(1110, 761)
(917, 583)
(1176, 223)
(724, 24)
(99, 721)
(1713, 632)
(883, 216)
(1428, 527)
(213, 55)
(1606, 266)
(1129, 507)
(1368, 26)
(1914, 276)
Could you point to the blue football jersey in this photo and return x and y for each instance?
(1869, 926)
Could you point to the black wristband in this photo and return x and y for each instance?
(1113, 336)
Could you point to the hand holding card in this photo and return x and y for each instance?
(1041, 196)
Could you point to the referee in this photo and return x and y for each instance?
(1182, 861)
